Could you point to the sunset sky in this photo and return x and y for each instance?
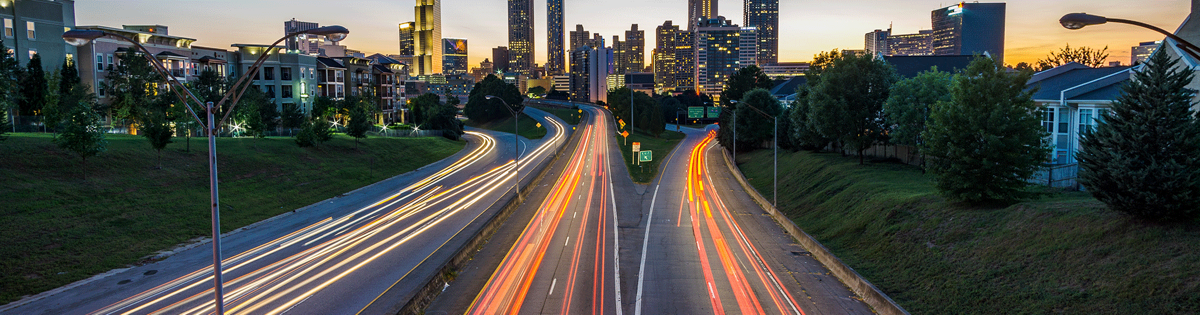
(806, 27)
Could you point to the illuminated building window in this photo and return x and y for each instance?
(31, 28)
(8, 28)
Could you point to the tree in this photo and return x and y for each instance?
(441, 116)
(292, 117)
(256, 112)
(804, 136)
(1144, 156)
(422, 106)
(360, 122)
(483, 110)
(988, 139)
(157, 129)
(744, 80)
(1023, 66)
(313, 132)
(907, 108)
(536, 90)
(671, 109)
(10, 73)
(323, 107)
(34, 87)
(82, 135)
(131, 85)
(1083, 55)
(846, 104)
(618, 101)
(753, 128)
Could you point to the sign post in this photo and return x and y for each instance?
(714, 112)
(626, 135)
(645, 156)
(695, 112)
(637, 146)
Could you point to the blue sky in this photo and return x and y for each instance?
(806, 27)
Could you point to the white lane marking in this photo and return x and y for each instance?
(552, 283)
(568, 241)
(616, 247)
(637, 309)
(576, 215)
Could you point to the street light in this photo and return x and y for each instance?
(516, 141)
(82, 37)
(775, 145)
(1074, 21)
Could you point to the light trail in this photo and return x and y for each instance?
(333, 248)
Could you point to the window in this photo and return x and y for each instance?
(100, 62)
(270, 91)
(312, 74)
(8, 28)
(1064, 123)
(338, 75)
(31, 28)
(285, 74)
(287, 91)
(1085, 121)
(110, 62)
(32, 52)
(268, 73)
(100, 88)
(1048, 119)
(340, 92)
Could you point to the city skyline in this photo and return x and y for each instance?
(804, 28)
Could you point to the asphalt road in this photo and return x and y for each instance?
(708, 248)
(334, 257)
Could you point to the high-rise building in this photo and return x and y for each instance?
(303, 43)
(969, 28)
(1142, 52)
(618, 55)
(555, 64)
(763, 15)
(748, 51)
(406, 38)
(520, 36)
(877, 42)
(454, 56)
(718, 56)
(580, 37)
(919, 44)
(635, 50)
(427, 47)
(700, 11)
(685, 61)
(589, 71)
(664, 57)
(500, 59)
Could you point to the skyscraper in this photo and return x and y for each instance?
(664, 56)
(718, 44)
(500, 59)
(635, 50)
(763, 15)
(969, 28)
(685, 61)
(877, 42)
(454, 56)
(579, 37)
(406, 38)
(427, 47)
(554, 37)
(618, 55)
(589, 71)
(919, 44)
(305, 43)
(520, 36)
(1142, 52)
(748, 51)
(700, 11)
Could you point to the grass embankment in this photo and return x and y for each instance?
(660, 146)
(1063, 254)
(528, 126)
(59, 228)
(570, 116)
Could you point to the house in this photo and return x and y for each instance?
(786, 92)
(1073, 98)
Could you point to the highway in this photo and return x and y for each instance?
(335, 257)
(707, 248)
(564, 260)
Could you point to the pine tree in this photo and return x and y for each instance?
(1144, 156)
(34, 87)
(82, 135)
(157, 130)
(988, 139)
(360, 123)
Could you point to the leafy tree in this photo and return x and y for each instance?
(10, 73)
(157, 130)
(670, 107)
(988, 139)
(292, 117)
(421, 108)
(618, 100)
(1083, 55)
(323, 107)
(753, 128)
(536, 90)
(256, 112)
(786, 125)
(1023, 66)
(907, 108)
(130, 84)
(483, 110)
(34, 87)
(360, 122)
(439, 116)
(652, 120)
(741, 82)
(82, 135)
(313, 132)
(1144, 157)
(804, 134)
(5, 126)
(847, 101)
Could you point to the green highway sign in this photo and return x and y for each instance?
(695, 112)
(645, 156)
(714, 112)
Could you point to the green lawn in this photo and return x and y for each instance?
(660, 146)
(1062, 254)
(59, 228)
(571, 116)
(529, 128)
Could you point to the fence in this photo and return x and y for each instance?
(1058, 175)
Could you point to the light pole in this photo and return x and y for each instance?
(775, 145)
(1076, 21)
(516, 150)
(82, 37)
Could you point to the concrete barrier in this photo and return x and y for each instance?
(435, 282)
(881, 303)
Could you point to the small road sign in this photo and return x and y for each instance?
(645, 156)
(695, 111)
(637, 146)
(625, 134)
(539, 125)
(621, 122)
(714, 112)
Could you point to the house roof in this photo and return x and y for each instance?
(788, 87)
(380, 58)
(330, 62)
(910, 66)
(211, 59)
(382, 68)
(1108, 92)
(1079, 81)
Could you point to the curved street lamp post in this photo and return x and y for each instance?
(1076, 21)
(516, 150)
(82, 37)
